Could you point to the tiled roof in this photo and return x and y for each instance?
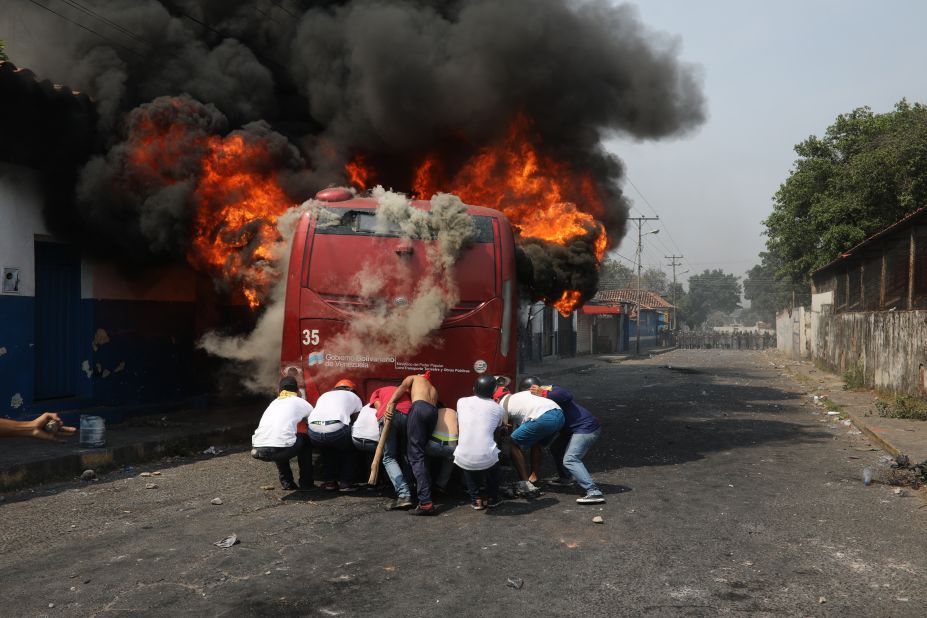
(646, 298)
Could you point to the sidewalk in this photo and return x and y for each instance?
(26, 461)
(895, 436)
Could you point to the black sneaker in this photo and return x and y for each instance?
(561, 482)
(310, 486)
(430, 511)
(399, 504)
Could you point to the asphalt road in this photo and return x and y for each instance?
(728, 493)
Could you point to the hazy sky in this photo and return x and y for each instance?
(774, 73)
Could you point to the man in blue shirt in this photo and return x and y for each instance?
(580, 431)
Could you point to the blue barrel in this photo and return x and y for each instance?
(92, 431)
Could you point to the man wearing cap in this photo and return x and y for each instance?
(395, 440)
(539, 421)
(580, 431)
(423, 416)
(276, 439)
(330, 429)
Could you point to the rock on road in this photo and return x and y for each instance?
(728, 493)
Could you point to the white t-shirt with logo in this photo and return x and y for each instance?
(278, 423)
(366, 426)
(524, 406)
(336, 406)
(477, 419)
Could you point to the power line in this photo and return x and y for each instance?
(90, 30)
(646, 201)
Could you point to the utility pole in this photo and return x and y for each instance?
(640, 239)
(674, 264)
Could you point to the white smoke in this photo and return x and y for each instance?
(384, 328)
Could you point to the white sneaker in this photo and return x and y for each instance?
(526, 489)
(591, 499)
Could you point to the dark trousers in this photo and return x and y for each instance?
(477, 479)
(281, 455)
(337, 454)
(422, 420)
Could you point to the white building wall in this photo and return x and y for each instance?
(20, 222)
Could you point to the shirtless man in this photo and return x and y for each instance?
(423, 417)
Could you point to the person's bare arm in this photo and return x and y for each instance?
(401, 390)
(34, 428)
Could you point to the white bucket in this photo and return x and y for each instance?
(92, 431)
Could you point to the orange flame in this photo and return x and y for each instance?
(567, 302)
(359, 173)
(234, 225)
(538, 194)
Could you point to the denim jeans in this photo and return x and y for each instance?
(568, 451)
(445, 452)
(541, 430)
(476, 479)
(391, 454)
(338, 454)
(281, 455)
(422, 420)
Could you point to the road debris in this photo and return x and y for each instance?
(151, 486)
(900, 492)
(822, 600)
(146, 474)
(228, 541)
(212, 451)
(155, 473)
(88, 475)
(867, 476)
(515, 582)
(216, 501)
(267, 487)
(598, 519)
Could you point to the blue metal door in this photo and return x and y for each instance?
(57, 306)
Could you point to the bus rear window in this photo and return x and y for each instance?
(363, 222)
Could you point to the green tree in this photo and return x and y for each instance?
(769, 292)
(655, 280)
(712, 290)
(868, 171)
(614, 275)
(3, 56)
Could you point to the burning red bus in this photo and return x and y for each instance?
(323, 296)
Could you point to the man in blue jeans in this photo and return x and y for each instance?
(392, 458)
(423, 416)
(539, 421)
(580, 431)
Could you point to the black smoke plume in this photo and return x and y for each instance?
(390, 79)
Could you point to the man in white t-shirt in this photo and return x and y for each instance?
(539, 421)
(330, 430)
(276, 440)
(476, 454)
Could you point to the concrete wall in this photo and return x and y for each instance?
(584, 325)
(793, 332)
(890, 346)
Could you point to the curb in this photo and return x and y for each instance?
(884, 444)
(68, 466)
(560, 372)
